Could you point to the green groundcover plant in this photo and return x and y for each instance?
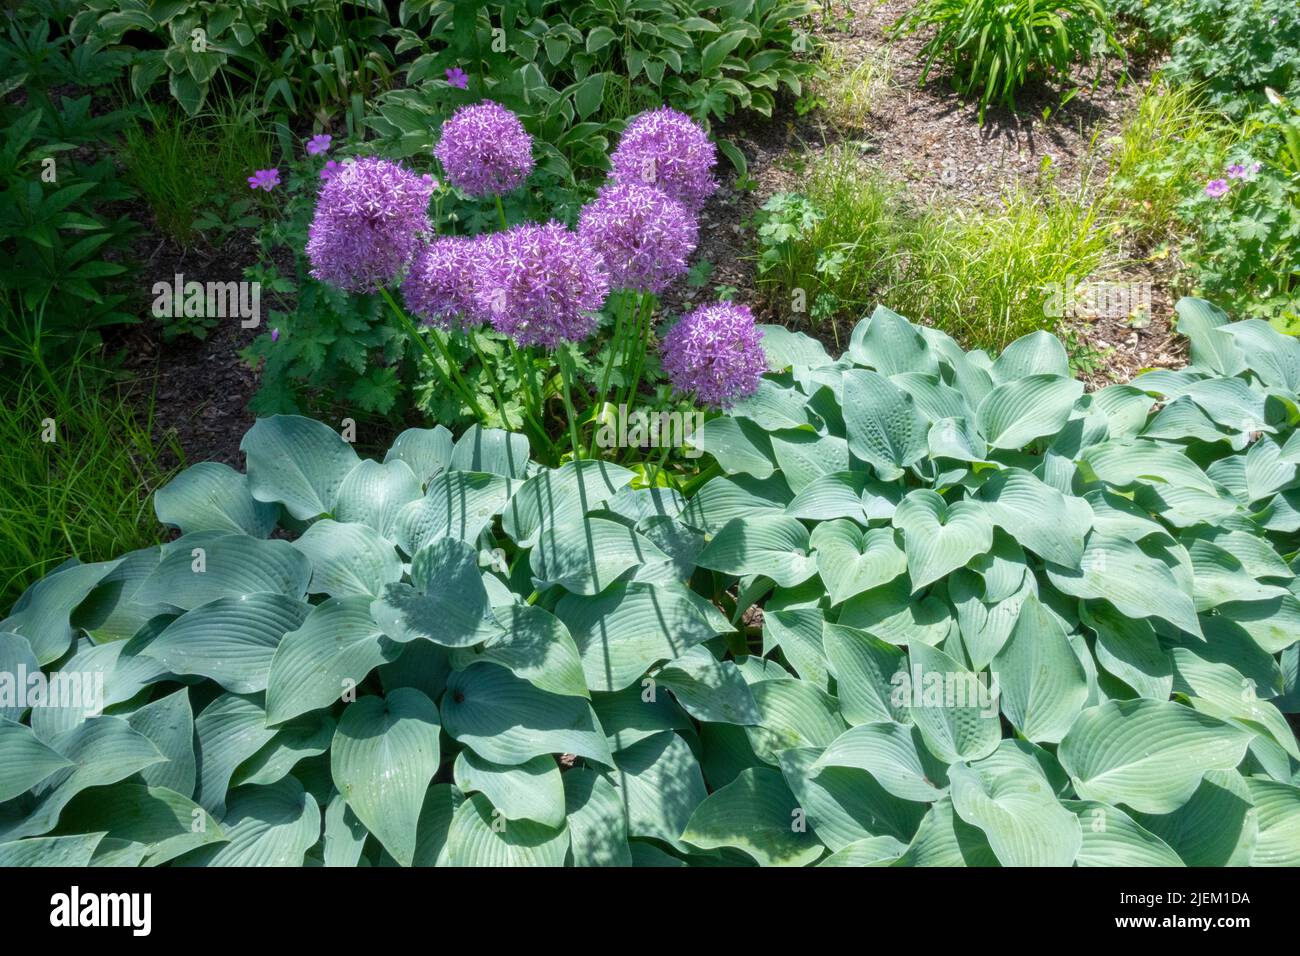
(928, 608)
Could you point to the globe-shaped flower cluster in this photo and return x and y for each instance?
(666, 148)
(644, 237)
(715, 352)
(484, 149)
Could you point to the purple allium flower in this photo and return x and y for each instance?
(715, 352)
(369, 217)
(457, 77)
(643, 236)
(539, 284)
(275, 335)
(439, 287)
(485, 149)
(266, 179)
(330, 168)
(665, 148)
(1216, 188)
(320, 143)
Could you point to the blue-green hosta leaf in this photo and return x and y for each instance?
(597, 829)
(864, 667)
(164, 822)
(1112, 838)
(1216, 826)
(1018, 412)
(348, 559)
(264, 826)
(708, 689)
(955, 708)
(739, 446)
(892, 614)
(1278, 808)
(890, 344)
(554, 498)
(1205, 326)
(774, 407)
(797, 631)
(458, 504)
(298, 462)
(1037, 515)
(1147, 755)
(101, 751)
(956, 438)
(1042, 685)
(1274, 357)
(804, 456)
(1222, 691)
(774, 546)
(229, 730)
(535, 646)
(231, 566)
(507, 720)
(94, 678)
(426, 451)
(229, 640)
(440, 805)
(637, 712)
(492, 451)
(1255, 553)
(722, 499)
(480, 836)
(1007, 796)
(628, 627)
(660, 784)
(1125, 408)
(531, 790)
(939, 537)
(936, 401)
(984, 626)
(586, 555)
(945, 839)
(373, 494)
(846, 804)
(870, 851)
(641, 504)
(111, 612)
(1230, 402)
(344, 837)
(24, 760)
(384, 756)
(213, 497)
(169, 723)
(1219, 578)
(1140, 585)
(16, 662)
(445, 602)
(852, 560)
(337, 645)
(755, 813)
(1125, 464)
(885, 429)
(793, 713)
(1273, 624)
(845, 494)
(43, 614)
(1183, 420)
(62, 851)
(894, 755)
(306, 736)
(1038, 353)
(1129, 649)
(785, 348)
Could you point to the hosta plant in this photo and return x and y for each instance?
(930, 608)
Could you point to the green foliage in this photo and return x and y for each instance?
(993, 47)
(1234, 51)
(1002, 622)
(980, 274)
(84, 494)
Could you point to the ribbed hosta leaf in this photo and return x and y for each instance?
(757, 814)
(384, 755)
(213, 497)
(531, 790)
(165, 823)
(851, 560)
(597, 829)
(774, 546)
(264, 826)
(940, 537)
(1112, 838)
(1043, 686)
(894, 755)
(480, 837)
(1147, 755)
(426, 451)
(793, 713)
(230, 566)
(24, 760)
(952, 706)
(535, 646)
(457, 504)
(445, 602)
(1037, 515)
(587, 555)
(348, 559)
(554, 498)
(1016, 413)
(373, 495)
(709, 689)
(865, 669)
(660, 784)
(884, 427)
(42, 615)
(298, 462)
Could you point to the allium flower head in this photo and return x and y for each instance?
(369, 217)
(485, 149)
(643, 236)
(439, 285)
(266, 179)
(320, 143)
(667, 149)
(540, 285)
(1216, 188)
(715, 352)
(457, 77)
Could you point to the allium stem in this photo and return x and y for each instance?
(454, 382)
(565, 377)
(642, 341)
(490, 372)
(615, 346)
(501, 211)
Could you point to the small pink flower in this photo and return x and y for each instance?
(1216, 188)
(275, 335)
(266, 179)
(1237, 171)
(457, 77)
(330, 168)
(320, 143)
